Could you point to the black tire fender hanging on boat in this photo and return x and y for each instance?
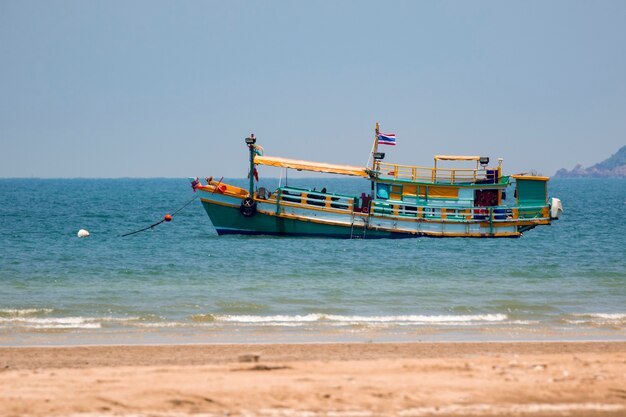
(248, 207)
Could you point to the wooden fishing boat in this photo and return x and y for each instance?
(400, 201)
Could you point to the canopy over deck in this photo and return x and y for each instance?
(311, 166)
(456, 158)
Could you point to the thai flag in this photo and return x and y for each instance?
(195, 184)
(387, 139)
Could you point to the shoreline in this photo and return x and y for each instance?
(338, 342)
(307, 335)
(296, 343)
(316, 380)
(41, 357)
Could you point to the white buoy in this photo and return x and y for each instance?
(83, 233)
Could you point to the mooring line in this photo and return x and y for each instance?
(166, 218)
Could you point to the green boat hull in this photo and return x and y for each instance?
(229, 220)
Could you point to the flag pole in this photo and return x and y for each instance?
(375, 147)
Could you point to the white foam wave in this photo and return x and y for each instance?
(270, 319)
(60, 322)
(467, 323)
(331, 318)
(19, 312)
(420, 318)
(615, 320)
(116, 319)
(314, 319)
(66, 326)
(49, 323)
(605, 316)
(49, 320)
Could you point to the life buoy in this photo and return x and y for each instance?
(248, 207)
(365, 210)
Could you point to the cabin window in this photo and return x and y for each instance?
(382, 191)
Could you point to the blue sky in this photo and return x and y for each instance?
(170, 89)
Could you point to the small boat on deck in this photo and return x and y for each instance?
(399, 201)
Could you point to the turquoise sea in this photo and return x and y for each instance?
(181, 283)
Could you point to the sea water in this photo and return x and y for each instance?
(180, 283)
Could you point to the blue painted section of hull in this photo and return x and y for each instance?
(222, 232)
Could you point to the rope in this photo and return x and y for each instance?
(167, 218)
(186, 204)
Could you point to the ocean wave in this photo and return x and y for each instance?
(50, 322)
(21, 312)
(269, 319)
(610, 320)
(62, 326)
(605, 316)
(61, 322)
(202, 318)
(163, 324)
(331, 318)
(421, 318)
(24, 321)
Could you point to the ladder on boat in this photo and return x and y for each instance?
(364, 222)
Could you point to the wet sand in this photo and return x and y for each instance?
(310, 380)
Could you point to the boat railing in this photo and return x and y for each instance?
(426, 174)
(302, 198)
(461, 214)
(314, 199)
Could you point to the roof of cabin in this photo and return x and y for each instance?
(311, 166)
(456, 158)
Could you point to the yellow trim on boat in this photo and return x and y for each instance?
(284, 204)
(219, 203)
(224, 189)
(305, 206)
(530, 177)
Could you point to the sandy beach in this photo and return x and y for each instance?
(308, 380)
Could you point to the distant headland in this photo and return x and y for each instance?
(613, 167)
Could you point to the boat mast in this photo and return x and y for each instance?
(375, 147)
(250, 141)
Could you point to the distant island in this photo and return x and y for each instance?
(613, 167)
